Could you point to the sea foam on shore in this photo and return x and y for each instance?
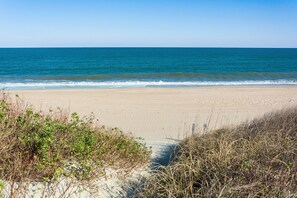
(138, 84)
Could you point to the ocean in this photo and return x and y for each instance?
(59, 68)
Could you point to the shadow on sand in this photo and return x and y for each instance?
(162, 155)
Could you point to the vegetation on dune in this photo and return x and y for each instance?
(255, 159)
(44, 147)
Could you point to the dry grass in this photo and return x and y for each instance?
(38, 147)
(255, 159)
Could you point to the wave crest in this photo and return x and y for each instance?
(127, 84)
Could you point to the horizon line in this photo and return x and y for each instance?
(253, 47)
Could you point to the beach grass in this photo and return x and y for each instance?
(44, 147)
(255, 159)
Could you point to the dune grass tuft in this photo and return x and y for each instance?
(255, 159)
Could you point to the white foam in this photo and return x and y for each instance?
(127, 84)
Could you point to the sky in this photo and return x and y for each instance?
(148, 23)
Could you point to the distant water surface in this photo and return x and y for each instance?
(52, 68)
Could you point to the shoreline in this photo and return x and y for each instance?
(139, 86)
(150, 87)
(161, 114)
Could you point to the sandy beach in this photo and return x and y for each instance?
(159, 114)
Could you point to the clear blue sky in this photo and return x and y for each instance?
(108, 23)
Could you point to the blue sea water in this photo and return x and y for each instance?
(53, 68)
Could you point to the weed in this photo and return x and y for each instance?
(38, 147)
(255, 159)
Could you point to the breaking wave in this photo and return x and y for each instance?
(127, 84)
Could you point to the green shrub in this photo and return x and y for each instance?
(41, 147)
